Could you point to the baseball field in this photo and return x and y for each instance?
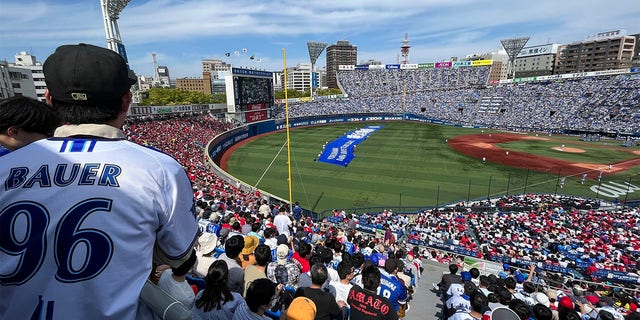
(413, 164)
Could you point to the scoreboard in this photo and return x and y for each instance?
(250, 94)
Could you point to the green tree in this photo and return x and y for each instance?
(168, 97)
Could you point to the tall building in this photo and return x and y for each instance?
(213, 66)
(499, 66)
(28, 61)
(196, 84)
(536, 60)
(299, 77)
(163, 77)
(341, 53)
(602, 51)
(6, 87)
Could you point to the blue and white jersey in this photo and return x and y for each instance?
(79, 219)
(392, 289)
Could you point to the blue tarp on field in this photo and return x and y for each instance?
(340, 151)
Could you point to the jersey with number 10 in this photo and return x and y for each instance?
(78, 222)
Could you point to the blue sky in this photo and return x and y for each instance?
(183, 32)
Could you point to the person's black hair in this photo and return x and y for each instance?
(28, 114)
(469, 288)
(453, 268)
(370, 276)
(484, 280)
(259, 293)
(357, 259)
(337, 246)
(217, 291)
(184, 268)
(262, 255)
(304, 249)
(236, 226)
(493, 298)
(344, 269)
(326, 254)
(233, 246)
(319, 274)
(504, 296)
(542, 312)
(475, 273)
(255, 227)
(510, 283)
(520, 308)
(315, 259)
(528, 287)
(269, 232)
(478, 301)
(78, 114)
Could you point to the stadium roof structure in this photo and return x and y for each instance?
(513, 47)
(315, 49)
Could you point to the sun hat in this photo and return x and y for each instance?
(282, 253)
(208, 242)
(301, 308)
(87, 74)
(250, 244)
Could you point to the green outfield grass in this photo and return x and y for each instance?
(405, 164)
(594, 152)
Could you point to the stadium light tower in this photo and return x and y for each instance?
(405, 49)
(513, 47)
(315, 49)
(110, 13)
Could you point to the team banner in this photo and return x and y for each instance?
(341, 151)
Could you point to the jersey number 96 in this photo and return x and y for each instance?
(29, 243)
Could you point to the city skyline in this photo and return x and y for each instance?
(183, 33)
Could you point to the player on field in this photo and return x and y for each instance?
(82, 214)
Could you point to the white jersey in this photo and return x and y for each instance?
(78, 222)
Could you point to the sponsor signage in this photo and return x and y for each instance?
(250, 72)
(392, 66)
(362, 67)
(444, 64)
(346, 67)
(253, 116)
(376, 67)
(634, 70)
(409, 66)
(551, 48)
(428, 65)
(478, 63)
(458, 64)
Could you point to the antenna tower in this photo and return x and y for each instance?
(405, 49)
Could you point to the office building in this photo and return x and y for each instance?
(341, 53)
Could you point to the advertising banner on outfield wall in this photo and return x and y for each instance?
(458, 64)
(361, 67)
(444, 64)
(478, 63)
(376, 67)
(409, 66)
(428, 65)
(392, 66)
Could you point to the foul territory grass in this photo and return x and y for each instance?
(404, 164)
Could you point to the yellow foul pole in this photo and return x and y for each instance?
(286, 111)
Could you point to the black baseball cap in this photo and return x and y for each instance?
(87, 74)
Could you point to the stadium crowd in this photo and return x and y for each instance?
(460, 96)
(508, 227)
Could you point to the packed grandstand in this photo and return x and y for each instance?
(571, 246)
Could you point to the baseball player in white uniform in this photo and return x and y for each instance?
(83, 214)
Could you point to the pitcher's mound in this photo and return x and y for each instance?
(570, 150)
